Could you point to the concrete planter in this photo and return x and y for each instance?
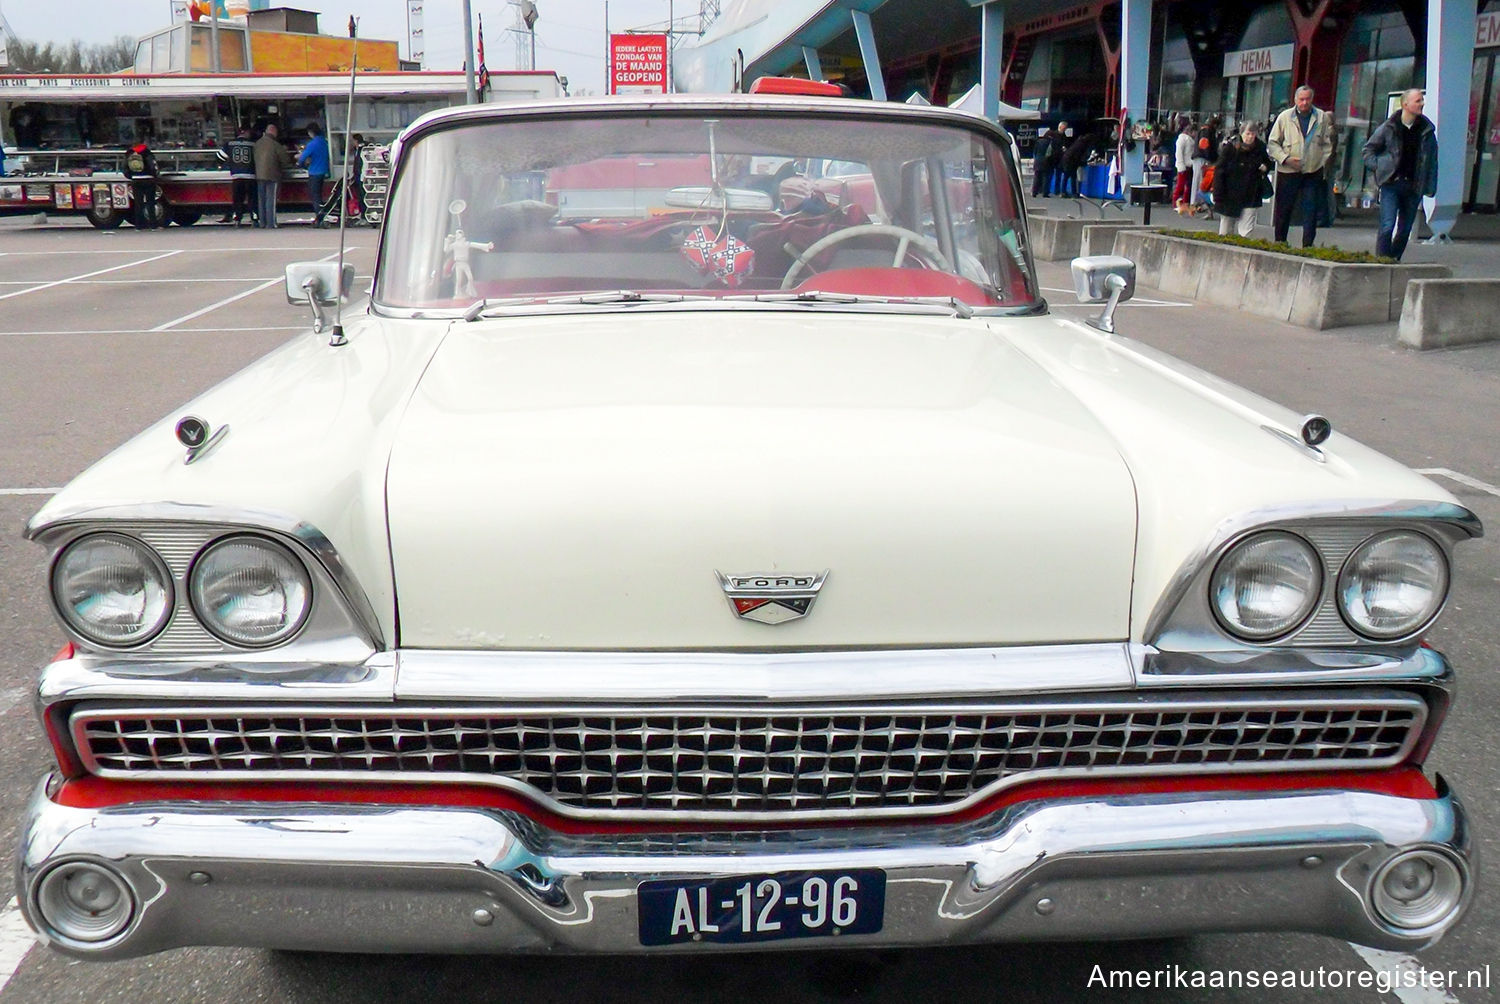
(1439, 313)
(1301, 291)
(1060, 238)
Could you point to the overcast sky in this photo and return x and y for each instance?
(569, 33)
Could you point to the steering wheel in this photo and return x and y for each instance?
(905, 239)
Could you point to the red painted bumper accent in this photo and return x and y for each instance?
(94, 793)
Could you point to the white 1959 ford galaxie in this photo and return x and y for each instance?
(707, 538)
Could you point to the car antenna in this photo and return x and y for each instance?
(338, 309)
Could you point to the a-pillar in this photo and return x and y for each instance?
(1450, 63)
(1135, 69)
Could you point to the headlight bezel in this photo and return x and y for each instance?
(153, 559)
(1390, 638)
(1184, 638)
(1309, 607)
(190, 590)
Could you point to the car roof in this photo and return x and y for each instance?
(733, 104)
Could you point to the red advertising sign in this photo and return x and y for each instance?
(637, 64)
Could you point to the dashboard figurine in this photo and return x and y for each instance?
(458, 246)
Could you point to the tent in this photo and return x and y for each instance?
(973, 102)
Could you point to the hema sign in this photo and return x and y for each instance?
(1269, 59)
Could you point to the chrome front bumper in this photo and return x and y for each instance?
(396, 879)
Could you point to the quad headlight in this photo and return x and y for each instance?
(1393, 584)
(1266, 585)
(250, 591)
(112, 589)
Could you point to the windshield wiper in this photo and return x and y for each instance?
(627, 296)
(959, 307)
(809, 296)
(486, 308)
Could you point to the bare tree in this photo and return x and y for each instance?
(72, 57)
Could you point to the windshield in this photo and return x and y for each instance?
(727, 205)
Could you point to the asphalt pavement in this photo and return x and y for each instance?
(103, 332)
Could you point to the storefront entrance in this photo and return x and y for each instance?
(1483, 193)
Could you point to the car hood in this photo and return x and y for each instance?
(578, 481)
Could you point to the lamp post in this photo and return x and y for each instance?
(471, 94)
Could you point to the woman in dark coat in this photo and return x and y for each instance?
(1239, 179)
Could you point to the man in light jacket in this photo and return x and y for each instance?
(272, 161)
(1403, 155)
(1300, 143)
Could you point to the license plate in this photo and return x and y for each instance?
(752, 908)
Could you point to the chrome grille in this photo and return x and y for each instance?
(759, 761)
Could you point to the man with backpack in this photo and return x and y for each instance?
(145, 194)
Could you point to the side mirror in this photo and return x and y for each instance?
(317, 283)
(1107, 279)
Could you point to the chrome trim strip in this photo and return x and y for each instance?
(864, 675)
(312, 876)
(1450, 522)
(80, 519)
(196, 453)
(1293, 667)
(85, 678)
(1383, 699)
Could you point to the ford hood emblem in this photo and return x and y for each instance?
(772, 597)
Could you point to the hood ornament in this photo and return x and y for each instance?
(771, 597)
(198, 436)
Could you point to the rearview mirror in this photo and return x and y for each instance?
(317, 284)
(320, 279)
(1107, 279)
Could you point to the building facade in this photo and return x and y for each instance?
(1236, 62)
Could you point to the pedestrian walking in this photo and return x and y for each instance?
(1183, 161)
(1242, 174)
(1300, 143)
(272, 161)
(239, 153)
(1205, 153)
(1403, 155)
(315, 158)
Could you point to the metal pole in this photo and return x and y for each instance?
(471, 95)
(607, 68)
(213, 36)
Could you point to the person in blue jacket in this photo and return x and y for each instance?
(315, 158)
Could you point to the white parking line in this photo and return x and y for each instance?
(143, 282)
(133, 282)
(148, 331)
(230, 299)
(1463, 479)
(1402, 971)
(86, 275)
(16, 940)
(29, 491)
(279, 249)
